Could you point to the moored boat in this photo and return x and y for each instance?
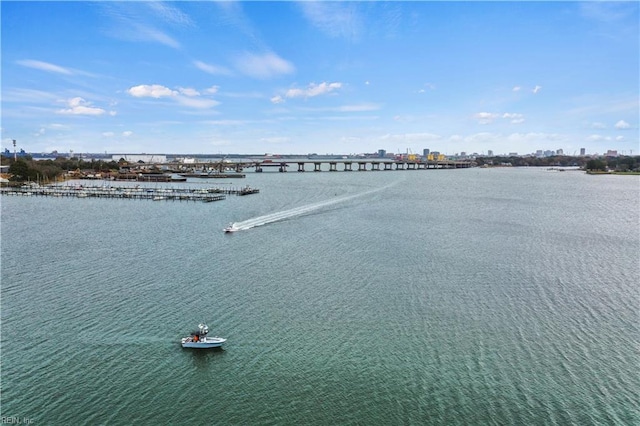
(199, 339)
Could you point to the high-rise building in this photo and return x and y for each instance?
(582, 152)
(490, 153)
(425, 152)
(382, 153)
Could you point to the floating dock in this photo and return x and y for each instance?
(128, 192)
(213, 175)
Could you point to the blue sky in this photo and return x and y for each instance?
(320, 77)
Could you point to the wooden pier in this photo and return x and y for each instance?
(128, 192)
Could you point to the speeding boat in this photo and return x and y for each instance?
(230, 228)
(199, 339)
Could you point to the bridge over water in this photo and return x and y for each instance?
(331, 165)
(358, 165)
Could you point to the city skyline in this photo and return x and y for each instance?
(311, 77)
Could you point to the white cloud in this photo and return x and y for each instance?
(605, 11)
(151, 91)
(277, 99)
(534, 137)
(275, 140)
(188, 91)
(212, 90)
(597, 138)
(211, 69)
(78, 106)
(184, 96)
(169, 14)
(428, 86)
(146, 33)
(411, 137)
(107, 134)
(489, 117)
(359, 108)
(517, 88)
(199, 103)
(514, 117)
(133, 22)
(536, 89)
(622, 125)
(263, 66)
(227, 122)
(620, 138)
(127, 133)
(335, 19)
(485, 117)
(28, 95)
(598, 125)
(482, 138)
(313, 90)
(44, 66)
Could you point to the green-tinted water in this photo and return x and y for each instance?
(405, 297)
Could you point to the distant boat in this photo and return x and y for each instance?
(230, 228)
(199, 339)
(248, 190)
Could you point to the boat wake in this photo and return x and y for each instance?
(298, 211)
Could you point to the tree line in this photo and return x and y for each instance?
(622, 163)
(26, 168)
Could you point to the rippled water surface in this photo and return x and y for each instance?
(479, 296)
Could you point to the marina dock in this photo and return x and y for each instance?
(128, 192)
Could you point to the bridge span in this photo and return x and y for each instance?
(317, 165)
(348, 165)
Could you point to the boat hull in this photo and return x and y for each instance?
(206, 343)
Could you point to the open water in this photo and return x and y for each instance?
(439, 297)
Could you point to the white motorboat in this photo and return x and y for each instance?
(200, 340)
(230, 228)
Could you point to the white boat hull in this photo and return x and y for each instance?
(230, 228)
(205, 343)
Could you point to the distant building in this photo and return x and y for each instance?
(513, 154)
(20, 153)
(612, 153)
(490, 153)
(382, 153)
(425, 152)
(559, 151)
(582, 152)
(140, 158)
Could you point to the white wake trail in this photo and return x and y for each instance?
(297, 211)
